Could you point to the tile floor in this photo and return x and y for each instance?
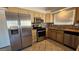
(47, 45)
(8, 48)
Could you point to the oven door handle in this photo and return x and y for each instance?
(41, 31)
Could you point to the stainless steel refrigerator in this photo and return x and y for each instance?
(26, 31)
(19, 26)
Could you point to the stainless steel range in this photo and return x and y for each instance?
(39, 25)
(41, 33)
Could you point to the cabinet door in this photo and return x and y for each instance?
(53, 35)
(67, 39)
(13, 9)
(77, 15)
(49, 33)
(60, 36)
(34, 35)
(47, 18)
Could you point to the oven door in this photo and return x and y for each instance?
(40, 35)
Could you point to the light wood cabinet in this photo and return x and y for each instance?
(76, 15)
(49, 33)
(46, 32)
(40, 15)
(22, 11)
(52, 34)
(60, 36)
(12, 9)
(34, 35)
(56, 35)
(49, 18)
(43, 17)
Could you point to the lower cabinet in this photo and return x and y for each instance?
(34, 35)
(60, 36)
(53, 34)
(56, 35)
(49, 33)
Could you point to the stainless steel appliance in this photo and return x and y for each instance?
(14, 30)
(25, 27)
(19, 26)
(41, 33)
(38, 20)
(39, 25)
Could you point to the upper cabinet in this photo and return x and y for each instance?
(48, 18)
(39, 15)
(22, 11)
(77, 15)
(12, 9)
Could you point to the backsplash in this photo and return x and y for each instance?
(61, 26)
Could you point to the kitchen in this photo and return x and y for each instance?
(34, 29)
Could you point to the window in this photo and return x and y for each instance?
(65, 17)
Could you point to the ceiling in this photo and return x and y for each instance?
(52, 9)
(44, 9)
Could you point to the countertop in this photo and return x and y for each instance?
(71, 30)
